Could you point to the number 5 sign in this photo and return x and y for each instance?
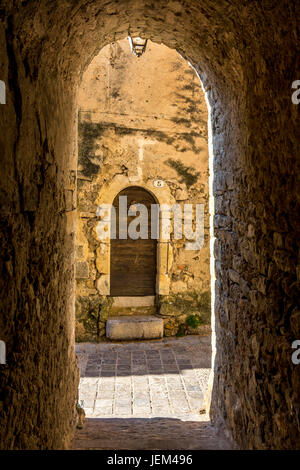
(159, 183)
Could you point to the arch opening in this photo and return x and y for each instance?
(143, 131)
(256, 248)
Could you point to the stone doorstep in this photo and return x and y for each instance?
(125, 302)
(131, 311)
(137, 327)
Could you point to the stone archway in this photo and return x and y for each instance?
(254, 129)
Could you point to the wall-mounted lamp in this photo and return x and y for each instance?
(137, 45)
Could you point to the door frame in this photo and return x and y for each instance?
(135, 285)
(106, 197)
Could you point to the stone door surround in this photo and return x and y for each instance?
(107, 195)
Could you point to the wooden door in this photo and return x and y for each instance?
(133, 262)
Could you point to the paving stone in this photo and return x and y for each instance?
(105, 394)
(188, 373)
(194, 403)
(106, 373)
(88, 402)
(124, 381)
(122, 411)
(91, 373)
(88, 411)
(105, 411)
(142, 403)
(102, 402)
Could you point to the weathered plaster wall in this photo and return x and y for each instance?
(247, 56)
(140, 121)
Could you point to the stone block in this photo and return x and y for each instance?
(82, 270)
(181, 195)
(70, 200)
(163, 284)
(79, 251)
(103, 260)
(234, 276)
(103, 285)
(165, 257)
(129, 328)
(179, 286)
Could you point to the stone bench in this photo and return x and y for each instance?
(135, 327)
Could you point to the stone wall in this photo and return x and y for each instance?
(38, 385)
(143, 122)
(247, 56)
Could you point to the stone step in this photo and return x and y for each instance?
(125, 302)
(131, 311)
(137, 327)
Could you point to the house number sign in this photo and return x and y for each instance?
(159, 183)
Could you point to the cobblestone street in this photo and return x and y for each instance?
(146, 395)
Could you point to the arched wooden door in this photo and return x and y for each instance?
(133, 262)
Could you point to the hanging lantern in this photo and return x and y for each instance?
(137, 45)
